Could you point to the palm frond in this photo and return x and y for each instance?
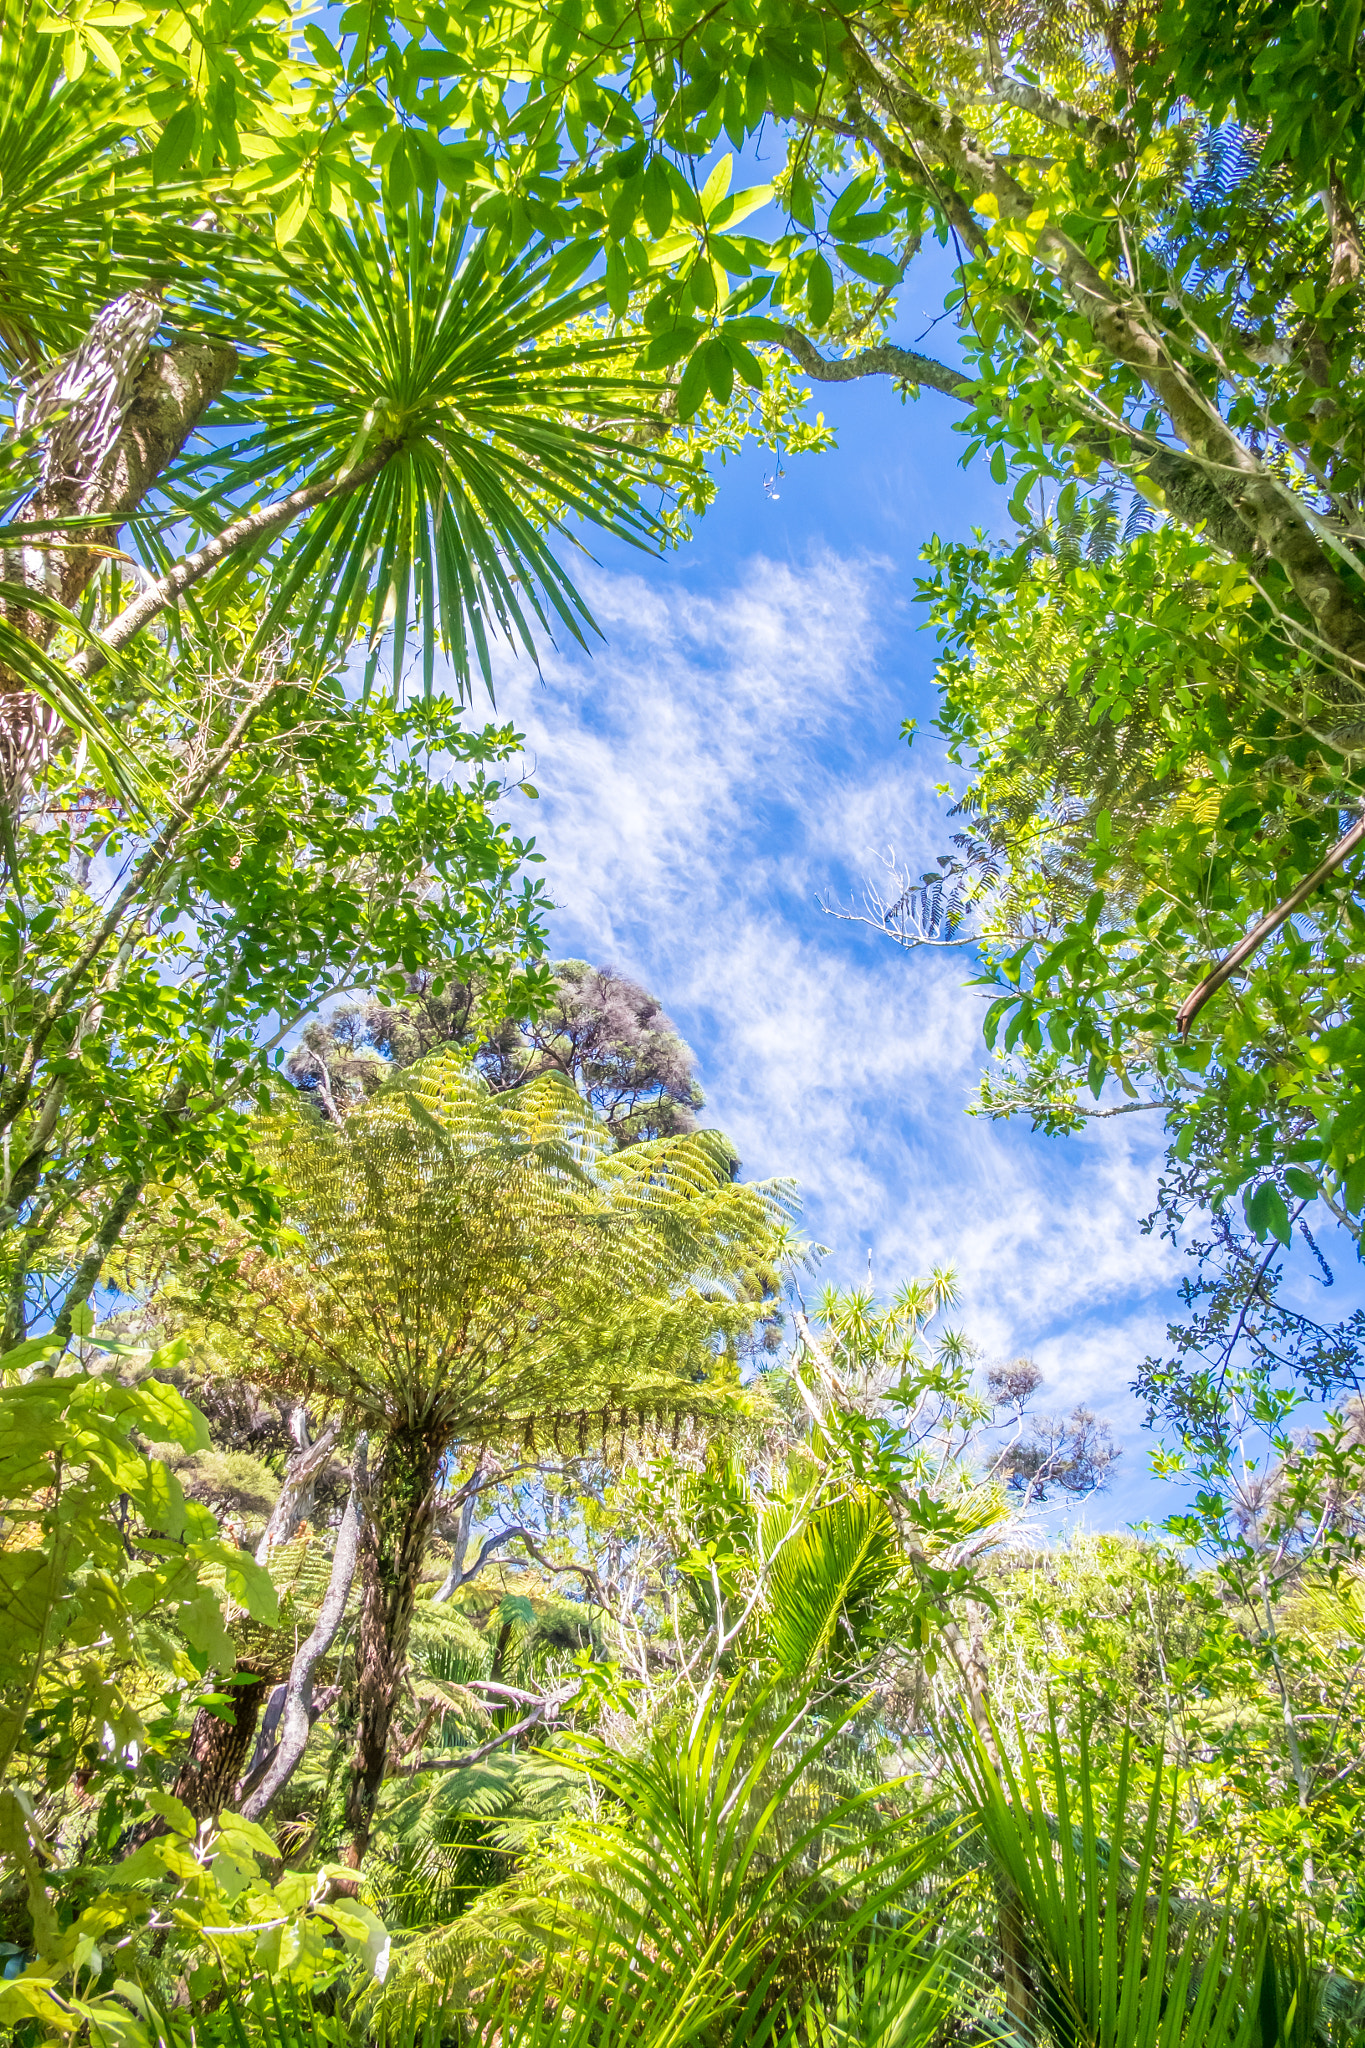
(825, 1582)
(714, 1892)
(1115, 1953)
(491, 397)
(64, 173)
(478, 1264)
(35, 670)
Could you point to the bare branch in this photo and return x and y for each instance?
(297, 1718)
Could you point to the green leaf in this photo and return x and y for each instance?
(174, 143)
(801, 200)
(174, 1812)
(290, 219)
(866, 227)
(1266, 1213)
(247, 1835)
(868, 263)
(720, 369)
(748, 366)
(692, 389)
(248, 1583)
(658, 197)
(668, 347)
(739, 205)
(850, 200)
(618, 280)
(21, 1355)
(820, 292)
(716, 187)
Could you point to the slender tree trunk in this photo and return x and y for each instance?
(87, 1274)
(299, 1708)
(398, 1513)
(459, 1536)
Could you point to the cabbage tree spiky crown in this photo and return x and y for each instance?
(466, 1264)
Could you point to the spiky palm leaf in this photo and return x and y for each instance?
(24, 662)
(64, 174)
(1117, 1954)
(825, 1583)
(722, 1855)
(711, 1895)
(457, 414)
(897, 1992)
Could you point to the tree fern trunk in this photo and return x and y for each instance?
(399, 1512)
(219, 1748)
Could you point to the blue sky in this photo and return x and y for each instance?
(727, 756)
(730, 754)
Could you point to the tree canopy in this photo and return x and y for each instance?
(454, 1581)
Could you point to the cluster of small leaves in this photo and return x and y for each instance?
(327, 855)
(1141, 791)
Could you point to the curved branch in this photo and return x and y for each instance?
(296, 1721)
(457, 1576)
(884, 359)
(238, 533)
(1055, 113)
(1184, 484)
(543, 1710)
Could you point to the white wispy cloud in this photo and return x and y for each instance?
(723, 759)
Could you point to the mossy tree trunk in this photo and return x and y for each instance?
(400, 1510)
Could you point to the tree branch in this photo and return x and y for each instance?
(303, 1467)
(296, 1721)
(885, 359)
(543, 1710)
(239, 533)
(1055, 113)
(1271, 516)
(1267, 925)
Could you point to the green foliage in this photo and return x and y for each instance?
(400, 344)
(1141, 791)
(101, 1551)
(1111, 1953)
(410, 299)
(825, 1585)
(713, 1878)
(465, 1263)
(141, 1015)
(111, 1613)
